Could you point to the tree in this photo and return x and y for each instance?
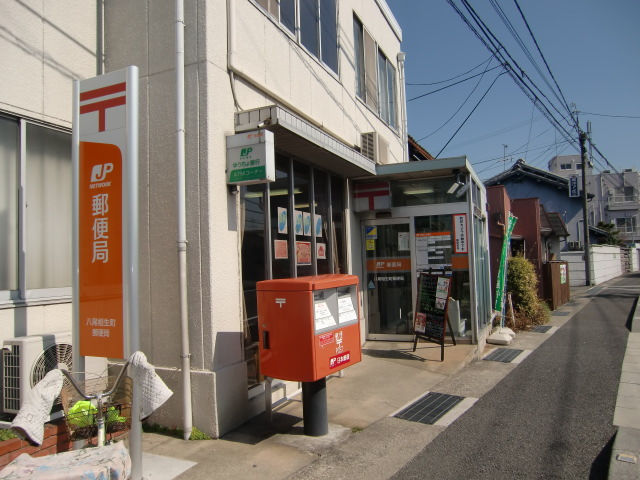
(612, 233)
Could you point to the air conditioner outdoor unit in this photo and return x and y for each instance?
(26, 360)
(374, 147)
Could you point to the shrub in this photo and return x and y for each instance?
(522, 284)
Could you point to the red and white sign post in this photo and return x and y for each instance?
(105, 220)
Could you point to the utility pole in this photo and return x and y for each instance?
(504, 157)
(585, 213)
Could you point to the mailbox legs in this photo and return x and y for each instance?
(314, 408)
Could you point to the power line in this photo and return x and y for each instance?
(461, 105)
(470, 113)
(522, 75)
(611, 116)
(520, 82)
(453, 84)
(453, 78)
(566, 105)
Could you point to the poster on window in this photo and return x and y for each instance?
(306, 219)
(280, 249)
(460, 229)
(433, 250)
(297, 221)
(318, 225)
(321, 251)
(282, 220)
(303, 253)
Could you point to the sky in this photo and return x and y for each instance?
(591, 46)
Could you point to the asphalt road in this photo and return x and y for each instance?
(551, 417)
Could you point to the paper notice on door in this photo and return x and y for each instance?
(323, 317)
(346, 311)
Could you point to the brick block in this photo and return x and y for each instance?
(10, 445)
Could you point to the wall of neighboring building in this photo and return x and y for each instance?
(44, 46)
(553, 200)
(528, 227)
(268, 67)
(605, 264)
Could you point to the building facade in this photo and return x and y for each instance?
(326, 78)
(616, 195)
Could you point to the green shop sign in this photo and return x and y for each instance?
(250, 158)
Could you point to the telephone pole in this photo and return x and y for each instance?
(585, 212)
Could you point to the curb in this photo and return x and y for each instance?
(625, 453)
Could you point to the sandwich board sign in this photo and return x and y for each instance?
(105, 162)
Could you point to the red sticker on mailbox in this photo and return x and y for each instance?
(339, 359)
(326, 339)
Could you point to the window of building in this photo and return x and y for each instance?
(285, 234)
(317, 25)
(424, 191)
(626, 225)
(375, 75)
(565, 166)
(35, 227)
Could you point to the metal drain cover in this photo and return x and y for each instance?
(429, 408)
(541, 328)
(504, 355)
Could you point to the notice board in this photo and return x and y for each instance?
(430, 319)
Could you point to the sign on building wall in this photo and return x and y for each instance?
(251, 158)
(371, 196)
(105, 211)
(460, 228)
(574, 191)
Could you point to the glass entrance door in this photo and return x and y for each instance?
(388, 279)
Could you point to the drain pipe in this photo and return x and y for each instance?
(182, 222)
(403, 107)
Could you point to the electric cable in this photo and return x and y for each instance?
(453, 84)
(470, 113)
(461, 105)
(545, 62)
(452, 78)
(611, 116)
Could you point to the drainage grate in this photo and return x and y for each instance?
(541, 328)
(561, 314)
(504, 355)
(429, 408)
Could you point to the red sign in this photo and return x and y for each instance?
(100, 250)
(105, 260)
(339, 359)
(372, 196)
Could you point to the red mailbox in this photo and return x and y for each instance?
(309, 326)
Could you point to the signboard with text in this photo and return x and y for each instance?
(105, 165)
(251, 158)
(574, 190)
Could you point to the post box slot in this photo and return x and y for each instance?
(265, 340)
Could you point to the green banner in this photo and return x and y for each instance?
(502, 269)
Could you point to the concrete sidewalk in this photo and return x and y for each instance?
(363, 436)
(625, 455)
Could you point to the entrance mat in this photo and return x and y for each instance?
(504, 355)
(541, 328)
(429, 408)
(560, 314)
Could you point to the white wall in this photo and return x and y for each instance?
(605, 265)
(43, 47)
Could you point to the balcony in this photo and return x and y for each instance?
(623, 202)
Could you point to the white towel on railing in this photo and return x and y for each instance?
(153, 391)
(36, 408)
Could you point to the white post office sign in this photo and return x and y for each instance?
(251, 158)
